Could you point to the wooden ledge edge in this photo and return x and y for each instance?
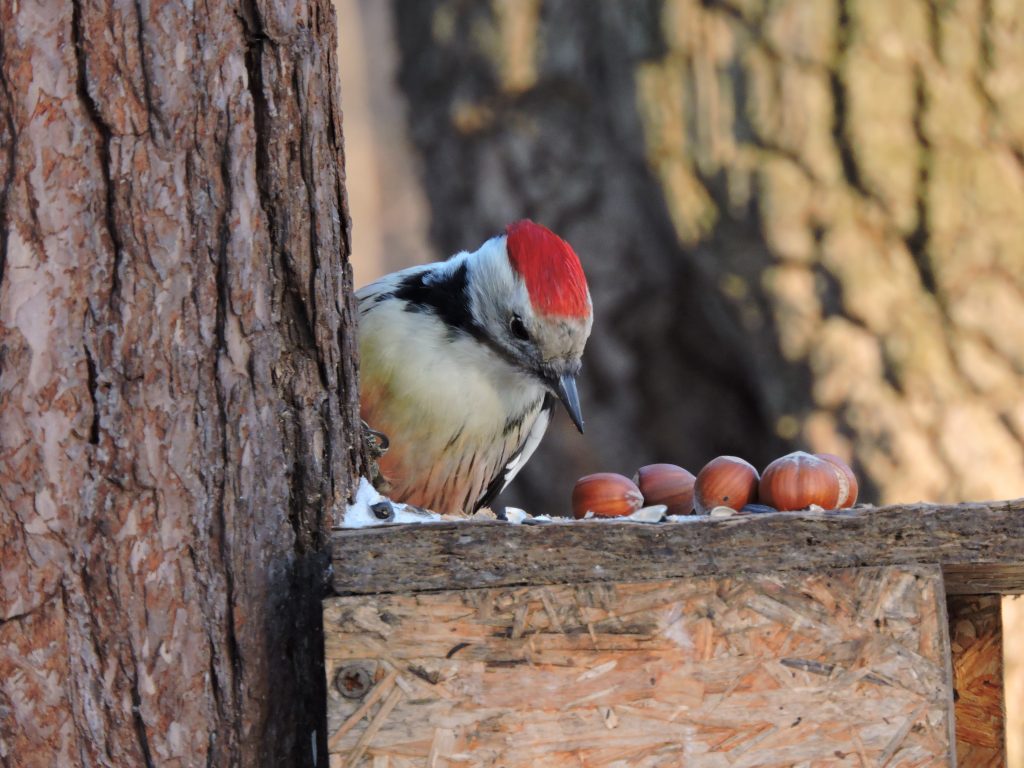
(980, 546)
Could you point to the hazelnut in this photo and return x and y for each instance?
(798, 480)
(666, 484)
(727, 481)
(606, 494)
(848, 487)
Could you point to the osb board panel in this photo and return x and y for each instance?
(976, 639)
(979, 545)
(844, 667)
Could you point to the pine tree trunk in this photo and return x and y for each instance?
(802, 222)
(177, 379)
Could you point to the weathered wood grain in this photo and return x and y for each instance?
(976, 642)
(178, 393)
(845, 667)
(980, 547)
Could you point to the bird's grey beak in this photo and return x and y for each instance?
(570, 399)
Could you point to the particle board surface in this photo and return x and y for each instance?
(980, 547)
(976, 641)
(845, 667)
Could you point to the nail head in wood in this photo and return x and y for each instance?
(353, 681)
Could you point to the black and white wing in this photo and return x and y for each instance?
(522, 454)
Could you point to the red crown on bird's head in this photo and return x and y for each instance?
(550, 268)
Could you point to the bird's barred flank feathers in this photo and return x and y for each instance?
(550, 268)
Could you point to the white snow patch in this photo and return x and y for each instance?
(515, 515)
(360, 515)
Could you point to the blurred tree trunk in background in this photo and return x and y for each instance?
(803, 222)
(177, 391)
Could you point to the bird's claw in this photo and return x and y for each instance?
(375, 445)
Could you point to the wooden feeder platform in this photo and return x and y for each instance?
(865, 637)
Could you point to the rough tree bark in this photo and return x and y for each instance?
(802, 222)
(177, 385)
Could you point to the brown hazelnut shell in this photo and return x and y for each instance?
(606, 494)
(725, 481)
(848, 486)
(666, 484)
(798, 480)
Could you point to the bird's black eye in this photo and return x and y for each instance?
(518, 328)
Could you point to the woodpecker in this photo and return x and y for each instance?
(461, 362)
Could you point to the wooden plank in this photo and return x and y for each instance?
(976, 641)
(980, 546)
(845, 667)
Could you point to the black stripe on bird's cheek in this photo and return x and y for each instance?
(445, 296)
